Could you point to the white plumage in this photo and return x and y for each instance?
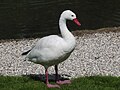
(53, 49)
(50, 50)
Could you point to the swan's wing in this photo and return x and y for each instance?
(51, 41)
(48, 48)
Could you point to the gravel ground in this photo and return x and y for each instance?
(96, 53)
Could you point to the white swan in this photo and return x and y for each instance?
(53, 49)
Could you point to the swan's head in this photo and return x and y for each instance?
(69, 15)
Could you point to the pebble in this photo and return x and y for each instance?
(95, 54)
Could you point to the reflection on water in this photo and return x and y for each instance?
(30, 18)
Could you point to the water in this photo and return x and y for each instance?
(36, 18)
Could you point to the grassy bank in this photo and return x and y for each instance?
(82, 83)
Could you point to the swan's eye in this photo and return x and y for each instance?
(72, 15)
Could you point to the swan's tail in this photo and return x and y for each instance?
(25, 53)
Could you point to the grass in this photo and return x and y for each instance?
(82, 83)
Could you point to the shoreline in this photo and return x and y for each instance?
(97, 53)
(77, 33)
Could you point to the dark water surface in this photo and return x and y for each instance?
(36, 18)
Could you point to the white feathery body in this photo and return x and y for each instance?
(53, 49)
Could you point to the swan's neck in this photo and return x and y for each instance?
(66, 34)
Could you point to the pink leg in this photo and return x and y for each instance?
(59, 81)
(63, 82)
(47, 82)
